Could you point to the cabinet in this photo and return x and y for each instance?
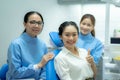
(111, 70)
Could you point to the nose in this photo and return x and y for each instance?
(36, 25)
(85, 26)
(71, 37)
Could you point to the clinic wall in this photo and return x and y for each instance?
(13, 11)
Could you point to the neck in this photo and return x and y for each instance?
(74, 51)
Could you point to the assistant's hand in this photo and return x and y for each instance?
(89, 58)
(45, 59)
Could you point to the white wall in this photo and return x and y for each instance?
(12, 13)
(114, 18)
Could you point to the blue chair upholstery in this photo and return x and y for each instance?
(3, 71)
(50, 70)
(51, 73)
(56, 39)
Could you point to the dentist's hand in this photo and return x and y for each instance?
(45, 59)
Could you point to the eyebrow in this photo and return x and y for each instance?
(35, 20)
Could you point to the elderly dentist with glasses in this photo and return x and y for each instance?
(27, 55)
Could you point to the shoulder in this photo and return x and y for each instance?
(61, 59)
(15, 44)
(42, 44)
(41, 41)
(98, 42)
(16, 41)
(61, 55)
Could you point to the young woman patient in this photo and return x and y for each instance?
(73, 63)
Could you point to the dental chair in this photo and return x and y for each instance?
(51, 73)
(3, 71)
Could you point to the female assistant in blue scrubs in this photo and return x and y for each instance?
(27, 54)
(87, 38)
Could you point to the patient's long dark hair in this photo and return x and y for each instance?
(65, 24)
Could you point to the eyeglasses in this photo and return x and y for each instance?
(33, 22)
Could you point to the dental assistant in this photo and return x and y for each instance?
(87, 37)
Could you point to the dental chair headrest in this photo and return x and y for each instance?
(56, 39)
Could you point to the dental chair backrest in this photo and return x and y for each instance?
(3, 71)
(50, 70)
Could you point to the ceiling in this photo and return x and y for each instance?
(79, 1)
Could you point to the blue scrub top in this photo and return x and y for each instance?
(23, 53)
(90, 42)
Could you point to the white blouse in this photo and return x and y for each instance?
(71, 67)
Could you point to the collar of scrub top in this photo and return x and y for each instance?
(56, 39)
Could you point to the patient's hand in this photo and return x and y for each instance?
(89, 58)
(45, 59)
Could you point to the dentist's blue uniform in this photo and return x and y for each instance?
(23, 53)
(90, 42)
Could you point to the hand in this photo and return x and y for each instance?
(45, 59)
(89, 58)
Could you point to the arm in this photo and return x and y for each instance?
(16, 70)
(42, 64)
(97, 52)
(93, 66)
(62, 69)
(90, 59)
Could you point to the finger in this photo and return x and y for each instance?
(88, 51)
(51, 54)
